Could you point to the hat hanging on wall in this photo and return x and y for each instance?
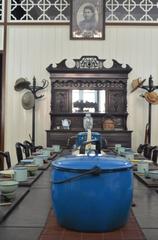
(151, 97)
(136, 83)
(28, 100)
(21, 84)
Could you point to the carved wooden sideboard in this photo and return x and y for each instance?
(110, 88)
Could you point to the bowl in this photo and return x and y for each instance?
(32, 169)
(43, 156)
(7, 173)
(10, 195)
(27, 161)
(36, 153)
(8, 186)
(153, 174)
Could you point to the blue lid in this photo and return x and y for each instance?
(88, 162)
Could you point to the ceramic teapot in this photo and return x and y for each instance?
(66, 123)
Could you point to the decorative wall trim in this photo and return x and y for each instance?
(1, 10)
(116, 11)
(88, 83)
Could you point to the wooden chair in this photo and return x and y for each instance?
(141, 147)
(5, 155)
(148, 150)
(20, 150)
(104, 143)
(71, 142)
(27, 149)
(31, 147)
(155, 156)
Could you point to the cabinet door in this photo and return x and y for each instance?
(116, 101)
(61, 101)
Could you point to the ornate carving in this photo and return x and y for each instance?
(117, 101)
(88, 83)
(89, 64)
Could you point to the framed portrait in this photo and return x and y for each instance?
(87, 20)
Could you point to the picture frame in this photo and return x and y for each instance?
(87, 19)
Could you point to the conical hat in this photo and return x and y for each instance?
(151, 97)
(136, 83)
(28, 100)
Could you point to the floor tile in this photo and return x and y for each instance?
(9, 233)
(151, 234)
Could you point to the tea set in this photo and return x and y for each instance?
(20, 173)
(141, 163)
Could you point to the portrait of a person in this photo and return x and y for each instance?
(87, 19)
(89, 23)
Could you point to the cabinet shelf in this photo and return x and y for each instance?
(93, 114)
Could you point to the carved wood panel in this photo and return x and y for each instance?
(60, 102)
(116, 101)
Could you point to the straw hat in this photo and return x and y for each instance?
(136, 83)
(20, 84)
(151, 97)
(28, 100)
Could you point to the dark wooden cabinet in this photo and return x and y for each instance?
(62, 137)
(108, 85)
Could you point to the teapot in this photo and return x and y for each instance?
(66, 123)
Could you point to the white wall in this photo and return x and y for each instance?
(30, 49)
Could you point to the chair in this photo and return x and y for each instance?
(20, 149)
(27, 149)
(155, 156)
(71, 142)
(104, 143)
(6, 155)
(147, 152)
(31, 147)
(96, 142)
(141, 147)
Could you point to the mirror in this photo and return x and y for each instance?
(88, 101)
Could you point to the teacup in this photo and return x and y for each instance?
(143, 167)
(117, 146)
(129, 156)
(121, 150)
(20, 174)
(38, 161)
(56, 148)
(46, 152)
